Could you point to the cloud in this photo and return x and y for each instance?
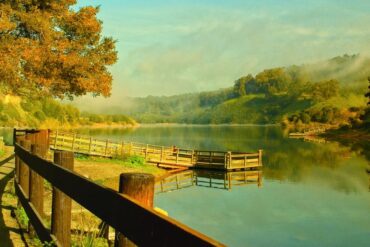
(179, 48)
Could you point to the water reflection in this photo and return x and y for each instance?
(209, 179)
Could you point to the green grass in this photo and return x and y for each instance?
(134, 161)
(22, 217)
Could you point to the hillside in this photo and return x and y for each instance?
(46, 112)
(328, 92)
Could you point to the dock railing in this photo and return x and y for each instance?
(154, 153)
(139, 223)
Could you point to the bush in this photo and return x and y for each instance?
(305, 117)
(40, 115)
(135, 160)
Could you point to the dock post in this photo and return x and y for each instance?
(139, 186)
(56, 139)
(62, 204)
(228, 164)
(106, 147)
(122, 149)
(90, 145)
(146, 151)
(73, 142)
(260, 157)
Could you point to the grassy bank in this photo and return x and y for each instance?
(106, 171)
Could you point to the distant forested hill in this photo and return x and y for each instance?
(46, 112)
(325, 92)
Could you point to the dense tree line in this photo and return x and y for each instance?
(322, 92)
(34, 112)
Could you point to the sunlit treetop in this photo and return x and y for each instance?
(48, 47)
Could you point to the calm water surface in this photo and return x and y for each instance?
(312, 194)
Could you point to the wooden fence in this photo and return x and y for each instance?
(154, 153)
(139, 223)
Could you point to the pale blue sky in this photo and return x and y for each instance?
(170, 47)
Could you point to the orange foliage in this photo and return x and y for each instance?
(50, 47)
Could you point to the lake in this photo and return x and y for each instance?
(309, 193)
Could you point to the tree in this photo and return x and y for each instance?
(239, 87)
(368, 93)
(324, 90)
(51, 47)
(274, 81)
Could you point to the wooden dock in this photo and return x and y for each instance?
(161, 155)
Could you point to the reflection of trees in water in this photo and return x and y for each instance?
(294, 160)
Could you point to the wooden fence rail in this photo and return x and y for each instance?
(141, 224)
(156, 154)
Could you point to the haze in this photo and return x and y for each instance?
(169, 47)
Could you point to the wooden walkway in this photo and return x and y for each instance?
(171, 156)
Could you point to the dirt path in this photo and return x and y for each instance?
(9, 229)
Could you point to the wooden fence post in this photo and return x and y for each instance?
(37, 185)
(62, 204)
(260, 157)
(139, 186)
(24, 171)
(17, 160)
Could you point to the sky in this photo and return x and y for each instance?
(168, 47)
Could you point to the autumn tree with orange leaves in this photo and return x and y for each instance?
(49, 48)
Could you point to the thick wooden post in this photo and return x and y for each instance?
(139, 186)
(62, 204)
(17, 160)
(37, 185)
(24, 171)
(260, 157)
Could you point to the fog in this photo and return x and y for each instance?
(172, 47)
